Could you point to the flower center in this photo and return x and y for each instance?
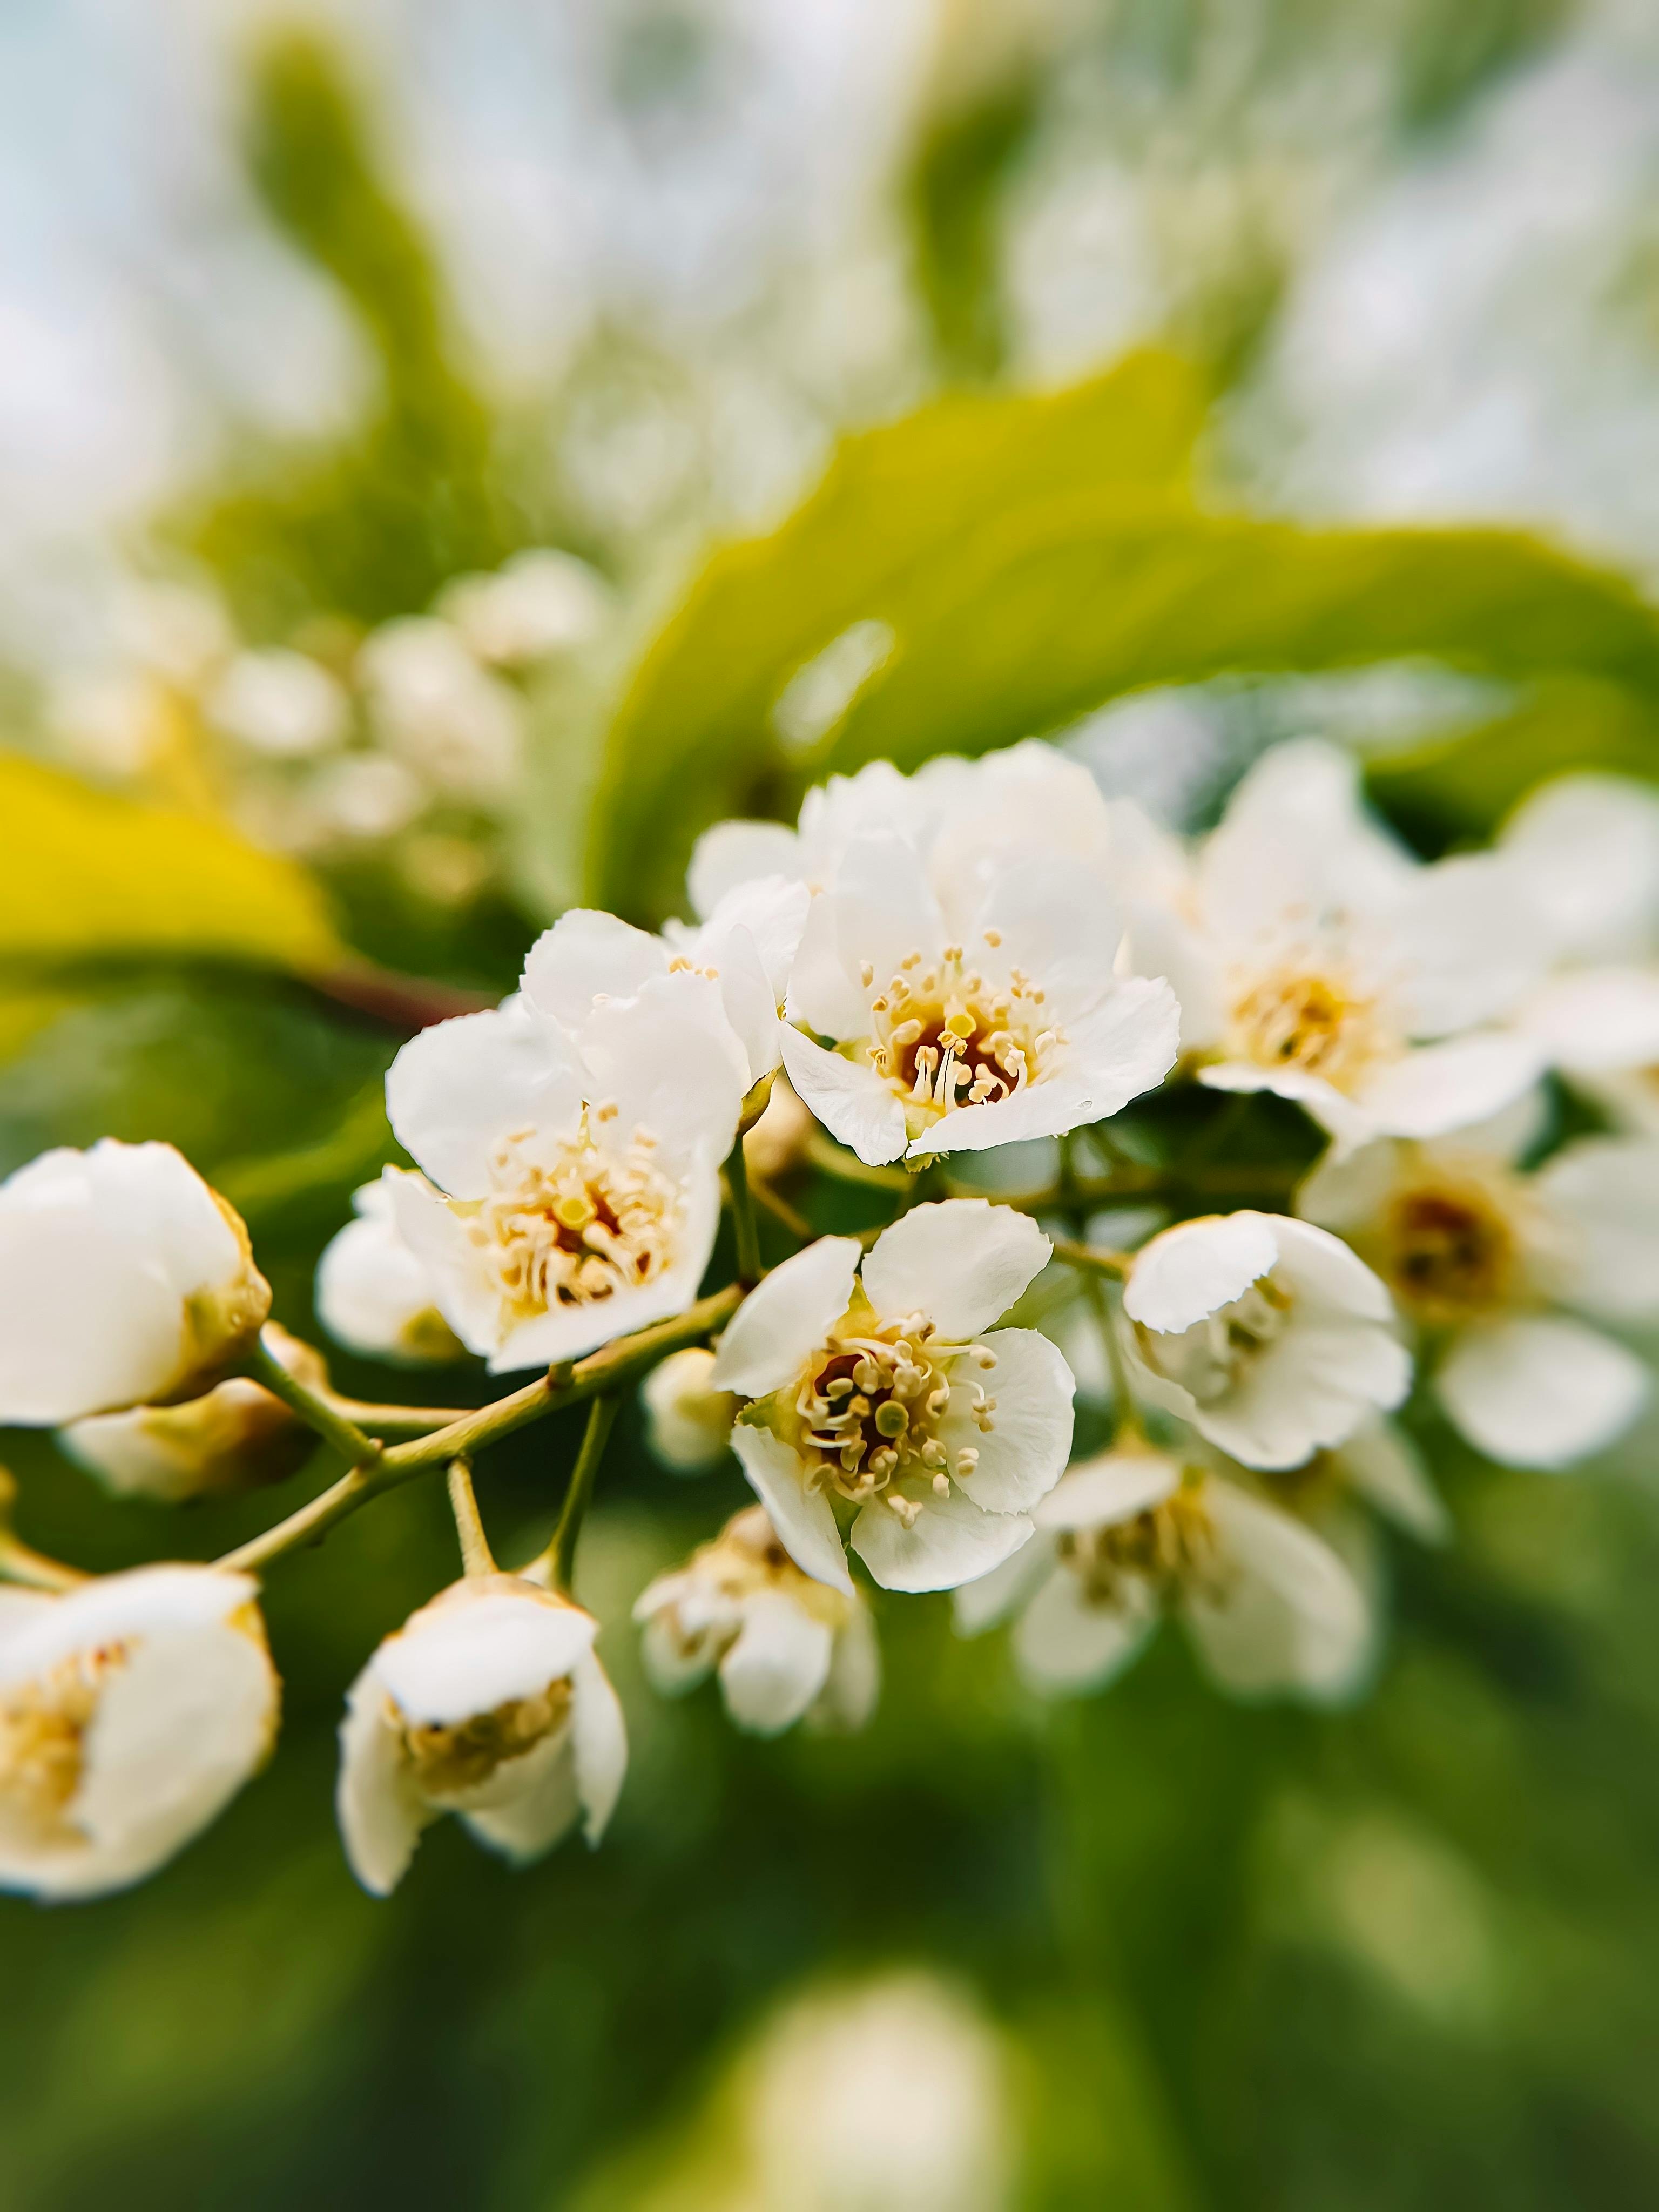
(1169, 1542)
(43, 1728)
(445, 1760)
(1312, 1021)
(593, 1224)
(1449, 1251)
(942, 1036)
(870, 1406)
(1211, 1358)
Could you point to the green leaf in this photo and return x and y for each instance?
(86, 874)
(693, 741)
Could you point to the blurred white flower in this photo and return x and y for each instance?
(367, 795)
(179, 632)
(431, 705)
(540, 603)
(1134, 1534)
(374, 1294)
(872, 1391)
(1478, 1254)
(779, 1139)
(131, 1711)
(576, 1172)
(1314, 958)
(281, 703)
(1269, 1336)
(785, 1645)
(234, 1437)
(116, 725)
(487, 1703)
(687, 1422)
(125, 1280)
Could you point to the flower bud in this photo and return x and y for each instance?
(125, 1280)
(236, 1437)
(374, 1295)
(688, 1424)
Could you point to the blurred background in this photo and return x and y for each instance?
(414, 420)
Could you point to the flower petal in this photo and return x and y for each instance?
(734, 853)
(853, 1683)
(1387, 1470)
(804, 1520)
(962, 1262)
(1115, 1485)
(458, 1088)
(989, 1599)
(598, 1737)
(1437, 1088)
(1191, 1271)
(1604, 1192)
(786, 1318)
(586, 957)
(670, 1063)
(531, 1801)
(1024, 1452)
(848, 1098)
(1066, 1641)
(1541, 1392)
(381, 1812)
(778, 1665)
(1286, 1614)
(1596, 1021)
(480, 1646)
(950, 1541)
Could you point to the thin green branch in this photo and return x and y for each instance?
(21, 1563)
(833, 1159)
(476, 1557)
(560, 1553)
(780, 1209)
(316, 1411)
(743, 1224)
(396, 1420)
(1093, 1259)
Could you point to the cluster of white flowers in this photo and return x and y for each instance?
(982, 954)
(338, 743)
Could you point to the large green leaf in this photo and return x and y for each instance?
(898, 509)
(84, 874)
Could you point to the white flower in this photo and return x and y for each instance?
(688, 1423)
(123, 1281)
(374, 1294)
(540, 603)
(1379, 1467)
(1269, 1336)
(1478, 1254)
(487, 1703)
(131, 1711)
(786, 1646)
(577, 1175)
(281, 703)
(430, 703)
(235, 1438)
(885, 1394)
(1314, 958)
(1134, 1534)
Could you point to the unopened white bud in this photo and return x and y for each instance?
(688, 1424)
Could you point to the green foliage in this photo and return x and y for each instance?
(1032, 558)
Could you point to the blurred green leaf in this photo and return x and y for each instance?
(692, 740)
(954, 193)
(86, 873)
(278, 1187)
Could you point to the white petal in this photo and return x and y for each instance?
(121, 1608)
(599, 1743)
(1596, 1021)
(785, 1319)
(731, 955)
(989, 1599)
(1387, 1469)
(1115, 1485)
(1194, 1269)
(848, 1098)
(1024, 1453)
(381, 1814)
(1309, 1392)
(532, 1801)
(950, 1541)
(1348, 1190)
(734, 853)
(1326, 1273)
(1066, 1641)
(883, 907)
(458, 1088)
(961, 1263)
(1057, 921)
(804, 1520)
(465, 1291)
(473, 1650)
(778, 1665)
(670, 1063)
(1590, 845)
(1437, 1088)
(588, 955)
(372, 1293)
(773, 910)
(1470, 938)
(853, 1683)
(1541, 1392)
(822, 996)
(1604, 1191)
(1289, 1616)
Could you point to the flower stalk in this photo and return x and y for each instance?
(560, 1553)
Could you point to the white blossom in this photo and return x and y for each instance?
(1314, 958)
(540, 603)
(281, 703)
(687, 1422)
(489, 1703)
(1134, 1534)
(886, 1390)
(433, 706)
(1484, 1258)
(1269, 1336)
(575, 1174)
(374, 1294)
(131, 1711)
(785, 1645)
(124, 1281)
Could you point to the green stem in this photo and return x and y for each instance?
(1128, 1422)
(20, 1563)
(397, 1421)
(560, 1553)
(831, 1159)
(602, 1371)
(743, 1224)
(1092, 1259)
(476, 1557)
(317, 1412)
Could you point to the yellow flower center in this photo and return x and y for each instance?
(1448, 1251)
(449, 1759)
(1314, 1021)
(1169, 1543)
(942, 1036)
(594, 1223)
(43, 1730)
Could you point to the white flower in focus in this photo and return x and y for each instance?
(1314, 958)
(281, 703)
(125, 1280)
(1482, 1257)
(687, 1422)
(1133, 1534)
(786, 1646)
(575, 1188)
(235, 1438)
(540, 603)
(131, 1711)
(489, 1703)
(877, 801)
(889, 1393)
(431, 705)
(1269, 1336)
(374, 1294)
